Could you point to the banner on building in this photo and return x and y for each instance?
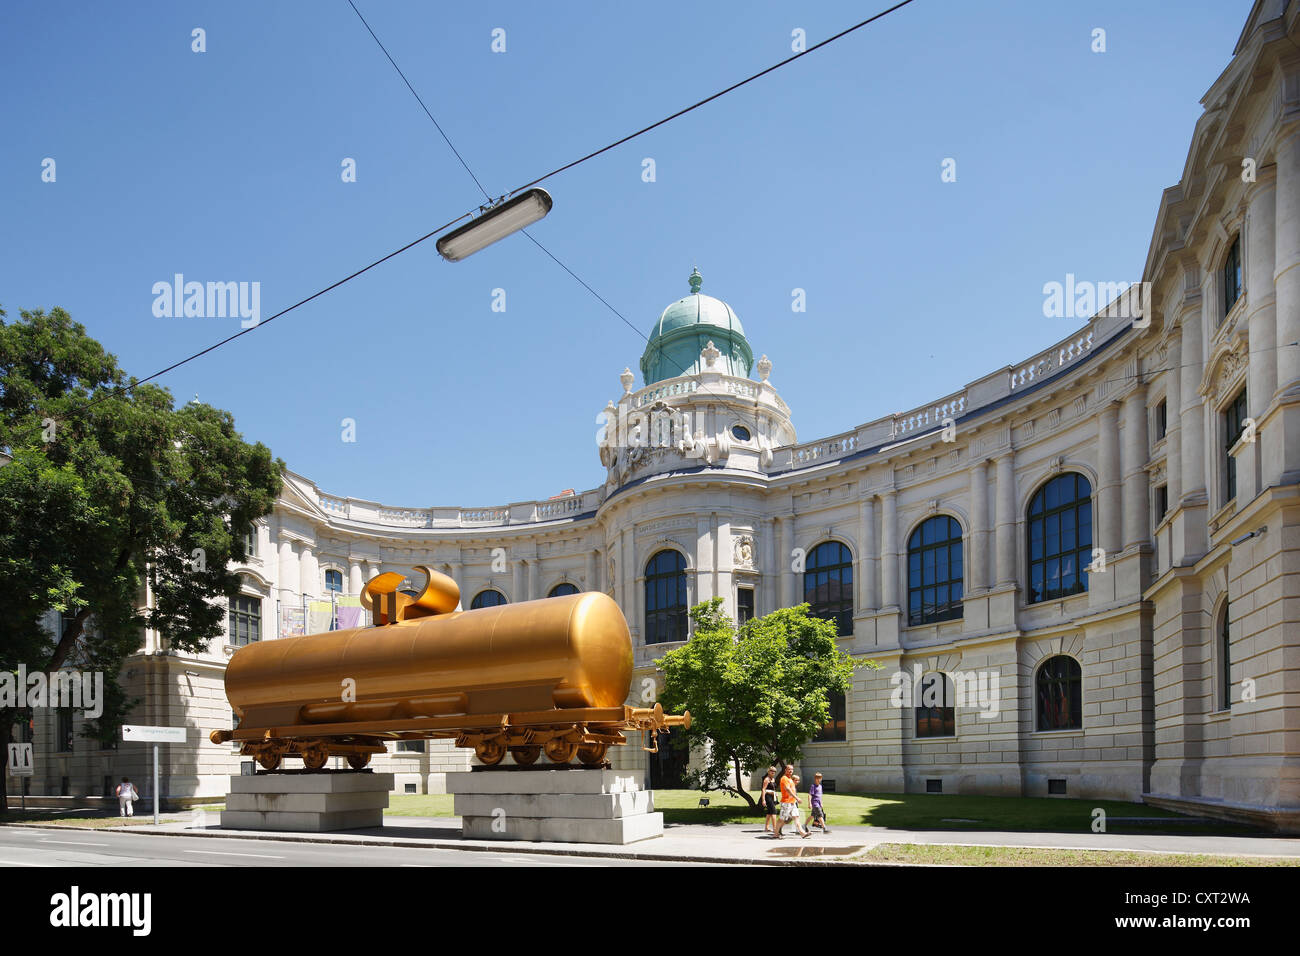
(293, 622)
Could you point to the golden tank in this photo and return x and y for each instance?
(549, 675)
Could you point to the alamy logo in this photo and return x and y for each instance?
(215, 300)
(72, 909)
(1081, 299)
(978, 690)
(71, 689)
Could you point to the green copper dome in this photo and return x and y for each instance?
(686, 328)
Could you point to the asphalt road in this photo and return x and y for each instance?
(32, 847)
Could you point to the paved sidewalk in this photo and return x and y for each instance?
(743, 843)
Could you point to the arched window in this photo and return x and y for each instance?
(665, 598)
(333, 580)
(1060, 694)
(563, 588)
(1060, 538)
(934, 571)
(936, 716)
(1225, 660)
(1232, 275)
(828, 584)
(488, 598)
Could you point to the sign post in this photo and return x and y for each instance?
(21, 764)
(154, 735)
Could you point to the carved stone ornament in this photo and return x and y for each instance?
(710, 354)
(744, 551)
(627, 378)
(764, 367)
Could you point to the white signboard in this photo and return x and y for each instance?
(157, 735)
(20, 760)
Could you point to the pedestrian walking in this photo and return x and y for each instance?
(127, 795)
(815, 808)
(769, 801)
(789, 803)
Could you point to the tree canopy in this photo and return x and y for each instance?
(106, 488)
(757, 693)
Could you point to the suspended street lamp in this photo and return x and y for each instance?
(495, 223)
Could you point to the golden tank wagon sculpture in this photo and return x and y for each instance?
(550, 675)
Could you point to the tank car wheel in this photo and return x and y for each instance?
(560, 751)
(592, 754)
(358, 761)
(269, 761)
(490, 752)
(314, 758)
(525, 756)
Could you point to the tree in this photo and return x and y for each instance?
(105, 486)
(755, 694)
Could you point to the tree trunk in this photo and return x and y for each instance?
(741, 788)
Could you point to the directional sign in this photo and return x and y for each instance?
(21, 763)
(157, 735)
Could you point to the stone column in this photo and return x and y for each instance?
(784, 547)
(889, 551)
(1191, 415)
(769, 598)
(1287, 264)
(519, 583)
(722, 564)
(355, 579)
(1173, 427)
(289, 576)
(1137, 515)
(1005, 530)
(307, 572)
(592, 564)
(534, 577)
(1283, 437)
(704, 579)
(867, 552)
(1108, 490)
(1261, 303)
(977, 564)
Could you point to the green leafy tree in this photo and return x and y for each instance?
(757, 693)
(106, 487)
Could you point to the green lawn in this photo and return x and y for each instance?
(420, 805)
(922, 811)
(1022, 856)
(94, 823)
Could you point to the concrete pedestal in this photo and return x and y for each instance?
(565, 806)
(307, 802)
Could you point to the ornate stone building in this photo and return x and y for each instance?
(1080, 572)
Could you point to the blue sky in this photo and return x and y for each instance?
(825, 175)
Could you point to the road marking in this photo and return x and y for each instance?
(72, 843)
(260, 856)
(20, 863)
(515, 860)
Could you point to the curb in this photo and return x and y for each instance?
(508, 846)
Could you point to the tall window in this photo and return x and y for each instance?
(250, 542)
(1225, 661)
(744, 605)
(1162, 419)
(333, 580)
(245, 619)
(1232, 276)
(63, 730)
(836, 728)
(488, 598)
(1233, 418)
(665, 598)
(934, 571)
(1060, 538)
(935, 714)
(1060, 694)
(828, 584)
(563, 588)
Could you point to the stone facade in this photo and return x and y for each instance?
(1138, 402)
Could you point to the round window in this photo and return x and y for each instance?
(740, 432)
